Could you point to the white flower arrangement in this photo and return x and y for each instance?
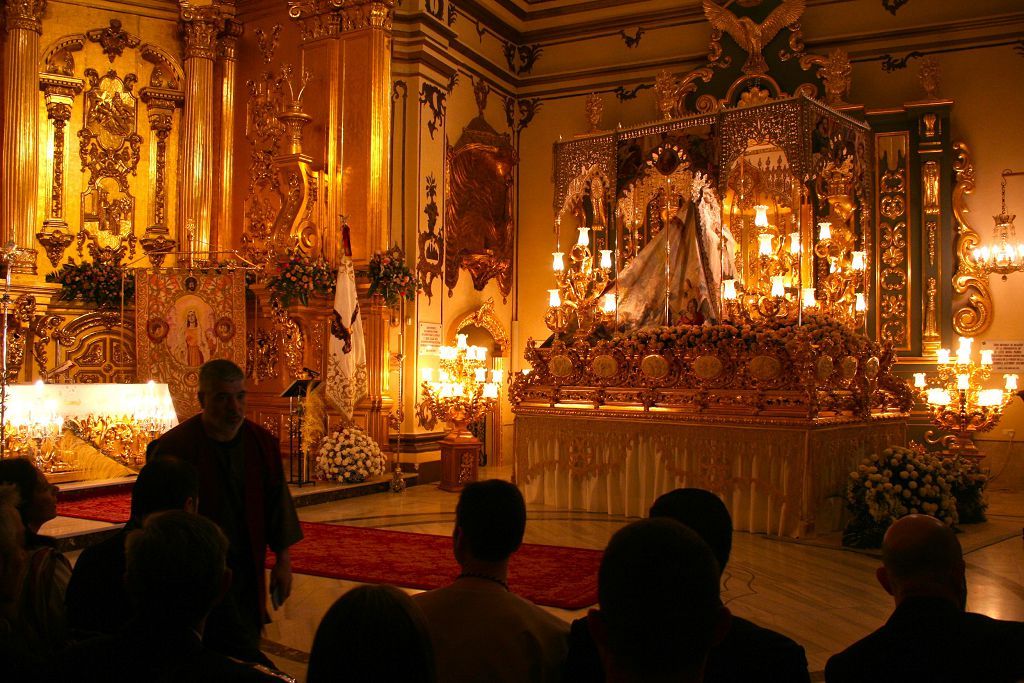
(895, 483)
(349, 455)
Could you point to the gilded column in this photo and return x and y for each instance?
(160, 106)
(200, 27)
(347, 47)
(224, 237)
(19, 157)
(60, 93)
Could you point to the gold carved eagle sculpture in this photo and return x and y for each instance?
(750, 36)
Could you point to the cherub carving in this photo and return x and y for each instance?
(754, 37)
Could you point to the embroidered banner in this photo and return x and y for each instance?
(346, 365)
(183, 320)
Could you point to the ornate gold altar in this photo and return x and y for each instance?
(769, 416)
(744, 366)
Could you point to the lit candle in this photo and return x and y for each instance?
(861, 303)
(497, 375)
(965, 345)
(764, 244)
(584, 238)
(919, 380)
(942, 356)
(554, 301)
(1011, 382)
(490, 390)
(938, 397)
(457, 390)
(986, 356)
(963, 382)
(427, 374)
(461, 341)
(444, 376)
(761, 216)
(609, 303)
(990, 397)
(557, 263)
(824, 231)
(778, 286)
(606, 259)
(480, 374)
(808, 297)
(859, 260)
(729, 290)
(794, 243)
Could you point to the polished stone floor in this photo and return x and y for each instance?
(824, 598)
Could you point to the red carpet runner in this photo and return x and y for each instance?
(544, 574)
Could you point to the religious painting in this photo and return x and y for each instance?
(184, 320)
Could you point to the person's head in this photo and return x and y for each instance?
(12, 550)
(223, 398)
(176, 567)
(38, 497)
(702, 511)
(367, 628)
(659, 610)
(166, 483)
(490, 519)
(921, 556)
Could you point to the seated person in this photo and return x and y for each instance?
(41, 607)
(372, 633)
(747, 652)
(96, 600)
(659, 612)
(175, 572)
(19, 662)
(480, 630)
(930, 636)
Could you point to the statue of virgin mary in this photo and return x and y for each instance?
(676, 277)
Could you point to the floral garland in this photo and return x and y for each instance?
(822, 333)
(391, 278)
(895, 483)
(349, 455)
(95, 283)
(299, 278)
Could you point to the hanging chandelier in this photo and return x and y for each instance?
(1006, 254)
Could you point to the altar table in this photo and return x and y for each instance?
(775, 478)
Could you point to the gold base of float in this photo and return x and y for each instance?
(771, 417)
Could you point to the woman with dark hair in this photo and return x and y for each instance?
(372, 633)
(41, 607)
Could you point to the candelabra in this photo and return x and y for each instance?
(33, 430)
(958, 401)
(460, 395)
(770, 291)
(580, 296)
(840, 292)
(1007, 254)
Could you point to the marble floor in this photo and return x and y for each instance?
(824, 598)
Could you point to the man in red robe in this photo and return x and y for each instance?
(242, 488)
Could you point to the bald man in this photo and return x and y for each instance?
(929, 636)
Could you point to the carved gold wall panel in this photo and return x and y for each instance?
(894, 283)
(972, 312)
(479, 228)
(103, 350)
(119, 184)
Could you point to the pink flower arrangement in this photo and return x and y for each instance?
(97, 283)
(391, 278)
(300, 277)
